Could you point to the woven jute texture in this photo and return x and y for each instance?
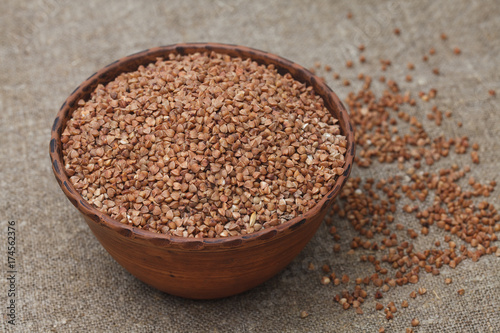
(65, 280)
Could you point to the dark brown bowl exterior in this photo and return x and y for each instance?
(189, 267)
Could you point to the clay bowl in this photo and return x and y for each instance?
(200, 268)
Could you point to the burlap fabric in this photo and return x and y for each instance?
(66, 282)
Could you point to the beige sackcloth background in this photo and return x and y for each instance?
(66, 282)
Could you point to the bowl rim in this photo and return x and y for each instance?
(144, 57)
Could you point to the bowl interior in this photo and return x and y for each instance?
(131, 63)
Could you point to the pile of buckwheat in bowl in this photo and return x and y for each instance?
(203, 169)
(203, 145)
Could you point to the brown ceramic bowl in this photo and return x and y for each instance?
(200, 268)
